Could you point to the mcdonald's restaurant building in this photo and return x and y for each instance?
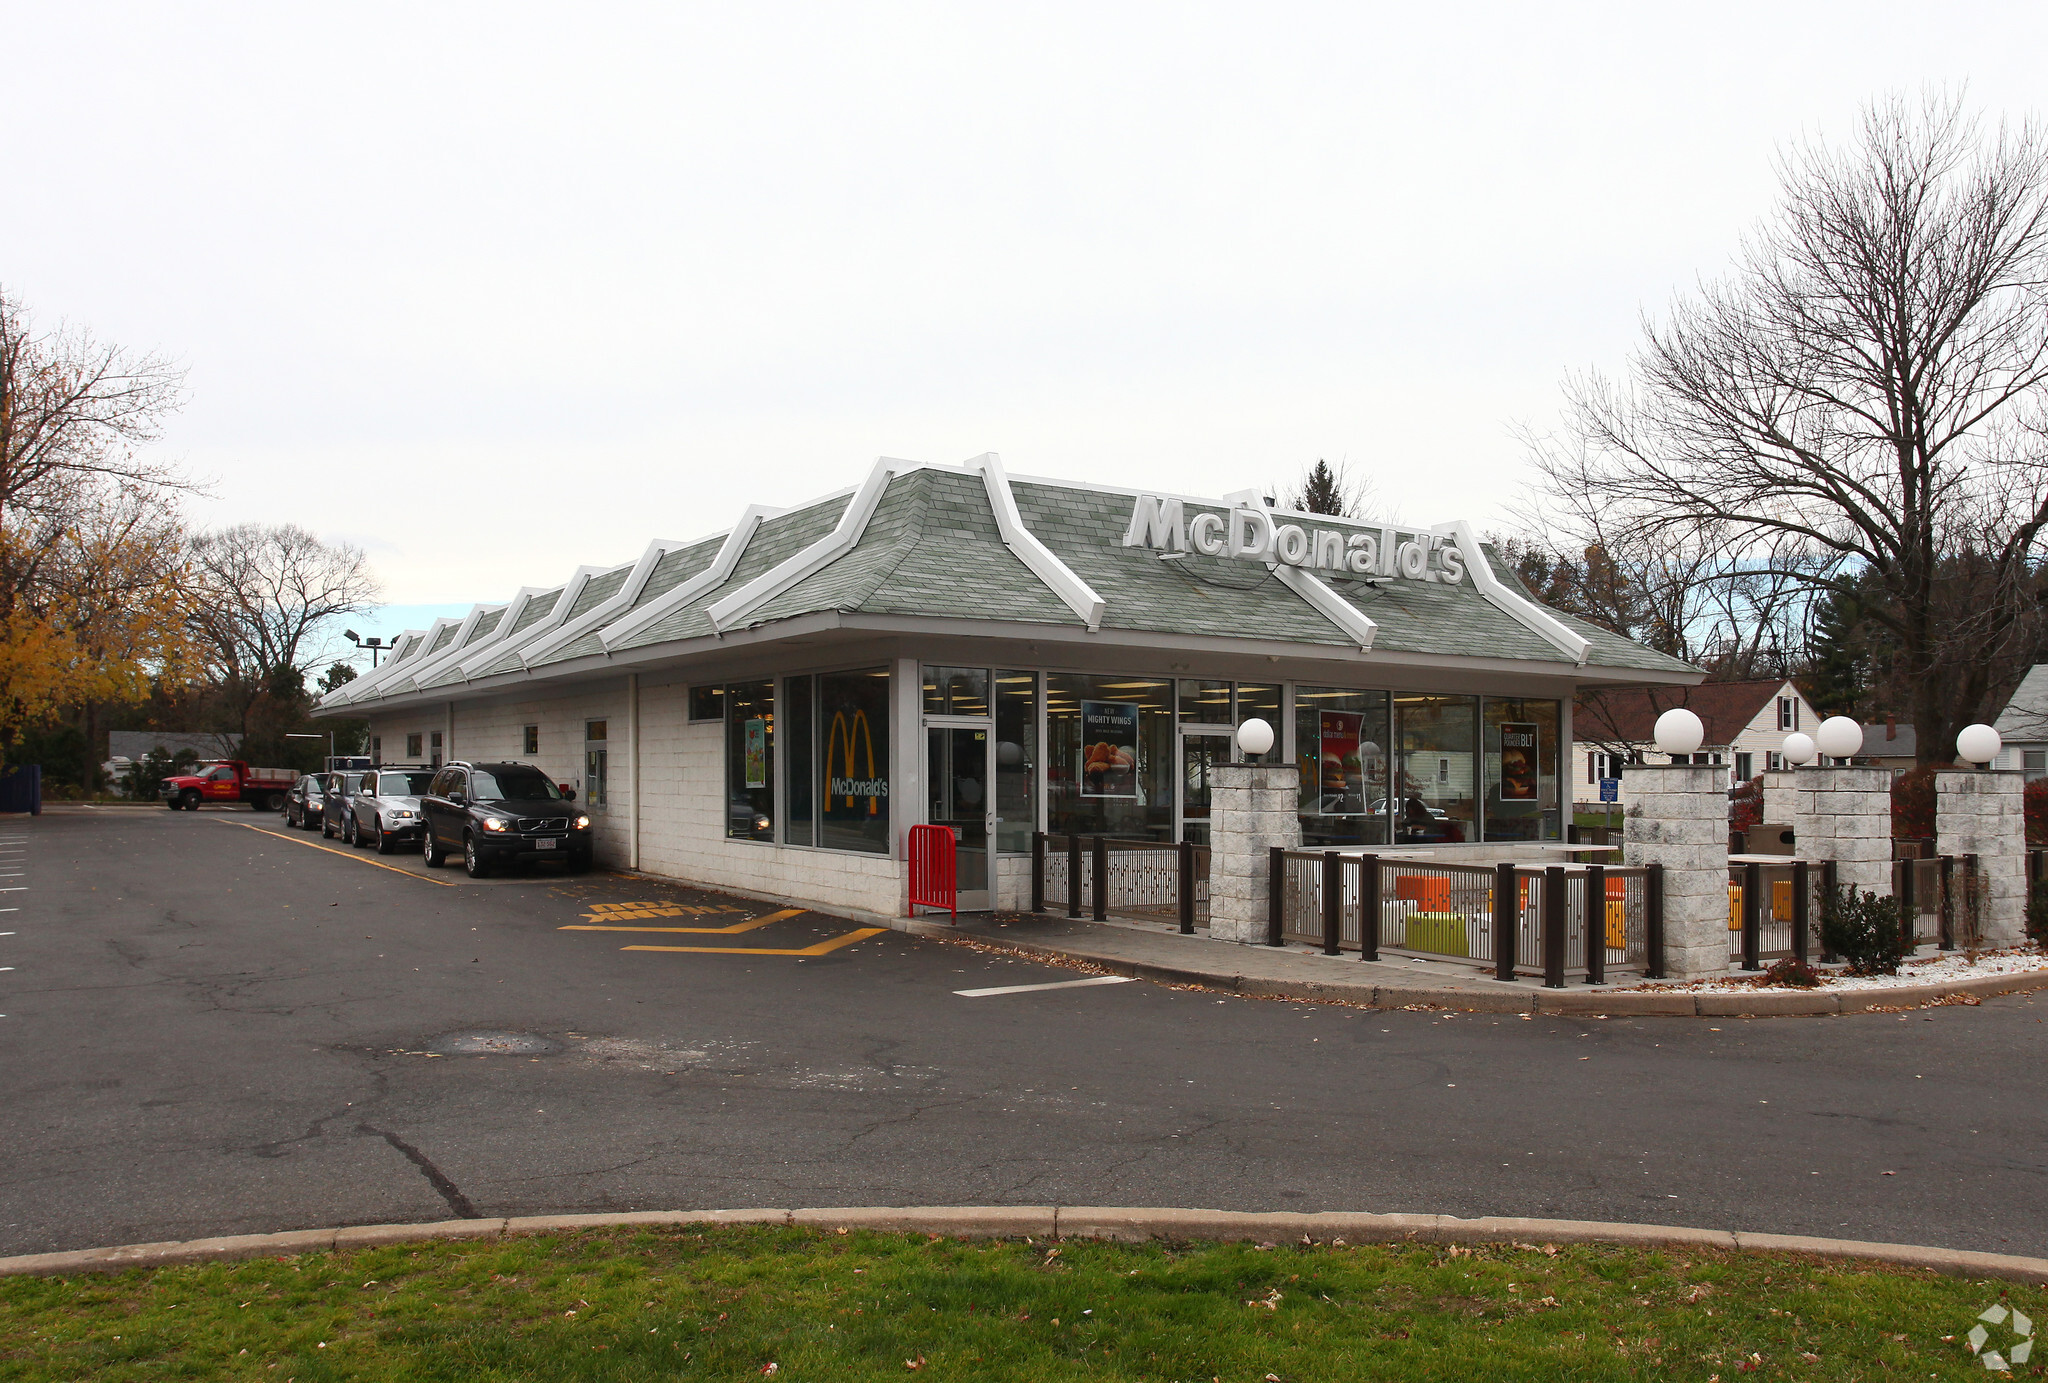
(771, 708)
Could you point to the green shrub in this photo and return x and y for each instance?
(2037, 914)
(1866, 931)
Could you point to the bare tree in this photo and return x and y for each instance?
(72, 412)
(265, 590)
(1859, 402)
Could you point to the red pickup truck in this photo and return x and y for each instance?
(230, 780)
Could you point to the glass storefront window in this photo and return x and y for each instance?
(798, 738)
(1340, 739)
(750, 761)
(1436, 800)
(1521, 768)
(1261, 701)
(1204, 703)
(956, 691)
(853, 770)
(1016, 760)
(1109, 766)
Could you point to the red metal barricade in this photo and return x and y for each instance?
(934, 879)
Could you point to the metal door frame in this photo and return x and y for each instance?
(1182, 734)
(986, 724)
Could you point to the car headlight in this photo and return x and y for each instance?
(496, 823)
(581, 823)
(399, 815)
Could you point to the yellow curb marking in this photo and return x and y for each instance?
(345, 854)
(818, 950)
(746, 926)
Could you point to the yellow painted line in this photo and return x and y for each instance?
(345, 854)
(747, 926)
(818, 950)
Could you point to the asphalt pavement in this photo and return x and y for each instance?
(214, 1024)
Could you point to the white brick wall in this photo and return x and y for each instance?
(1984, 814)
(1678, 817)
(1845, 815)
(1252, 807)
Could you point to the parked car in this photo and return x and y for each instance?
(302, 801)
(334, 801)
(385, 808)
(230, 780)
(501, 813)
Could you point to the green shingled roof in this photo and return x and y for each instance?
(484, 627)
(445, 637)
(537, 609)
(933, 548)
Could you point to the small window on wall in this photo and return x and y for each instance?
(530, 740)
(596, 765)
(435, 740)
(750, 761)
(412, 748)
(1745, 766)
(1788, 713)
(376, 749)
(707, 703)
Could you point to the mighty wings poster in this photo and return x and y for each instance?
(1109, 749)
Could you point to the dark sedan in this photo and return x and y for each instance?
(303, 802)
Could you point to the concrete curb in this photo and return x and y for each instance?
(1580, 1002)
(1116, 1224)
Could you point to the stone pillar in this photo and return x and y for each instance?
(1252, 807)
(1778, 797)
(1845, 815)
(1678, 817)
(1984, 814)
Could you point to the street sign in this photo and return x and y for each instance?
(1610, 789)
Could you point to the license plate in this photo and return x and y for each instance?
(546, 844)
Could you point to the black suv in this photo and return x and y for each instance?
(501, 813)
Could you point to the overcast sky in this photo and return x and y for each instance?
(498, 290)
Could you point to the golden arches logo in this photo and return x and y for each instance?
(847, 730)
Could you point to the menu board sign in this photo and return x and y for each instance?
(1339, 765)
(757, 753)
(1109, 749)
(1518, 745)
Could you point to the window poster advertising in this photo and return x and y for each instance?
(1339, 765)
(1518, 762)
(757, 753)
(1109, 749)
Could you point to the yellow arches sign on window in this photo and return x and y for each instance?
(844, 742)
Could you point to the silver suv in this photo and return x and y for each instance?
(384, 811)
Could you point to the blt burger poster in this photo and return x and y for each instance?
(1518, 762)
(1109, 749)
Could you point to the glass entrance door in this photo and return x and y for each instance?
(957, 784)
(1200, 753)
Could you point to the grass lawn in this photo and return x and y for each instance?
(744, 1302)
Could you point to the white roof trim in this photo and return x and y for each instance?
(596, 616)
(1059, 578)
(452, 655)
(558, 612)
(710, 579)
(1331, 606)
(411, 666)
(819, 555)
(350, 691)
(1536, 620)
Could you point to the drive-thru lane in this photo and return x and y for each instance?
(215, 1029)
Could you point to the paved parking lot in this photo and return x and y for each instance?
(214, 1024)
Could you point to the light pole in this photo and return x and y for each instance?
(374, 644)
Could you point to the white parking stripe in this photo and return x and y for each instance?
(1036, 988)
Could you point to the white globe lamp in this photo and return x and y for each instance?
(1839, 737)
(1798, 749)
(1679, 731)
(1009, 753)
(1978, 744)
(1255, 737)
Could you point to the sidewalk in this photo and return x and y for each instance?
(1291, 972)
